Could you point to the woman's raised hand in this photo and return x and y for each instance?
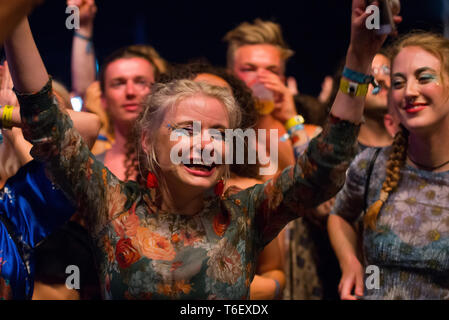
(365, 42)
(87, 8)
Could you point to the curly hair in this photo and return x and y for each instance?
(395, 162)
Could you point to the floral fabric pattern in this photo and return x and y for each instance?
(411, 244)
(144, 252)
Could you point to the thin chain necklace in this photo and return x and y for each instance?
(426, 167)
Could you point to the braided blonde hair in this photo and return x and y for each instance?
(395, 162)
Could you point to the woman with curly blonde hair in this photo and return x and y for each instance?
(406, 188)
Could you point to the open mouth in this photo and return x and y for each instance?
(201, 167)
(201, 170)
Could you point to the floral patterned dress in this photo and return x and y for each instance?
(411, 244)
(147, 253)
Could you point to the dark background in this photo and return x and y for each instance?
(181, 30)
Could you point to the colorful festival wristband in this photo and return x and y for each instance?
(292, 122)
(358, 77)
(354, 89)
(295, 128)
(7, 117)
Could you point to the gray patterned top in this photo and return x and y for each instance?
(411, 244)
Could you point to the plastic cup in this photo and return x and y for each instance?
(264, 98)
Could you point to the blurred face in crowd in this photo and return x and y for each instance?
(127, 83)
(419, 90)
(250, 61)
(380, 69)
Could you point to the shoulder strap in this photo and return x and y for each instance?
(368, 178)
(20, 245)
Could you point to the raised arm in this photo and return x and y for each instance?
(27, 69)
(320, 172)
(364, 45)
(88, 124)
(73, 168)
(83, 54)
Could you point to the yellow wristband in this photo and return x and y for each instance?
(353, 89)
(7, 117)
(298, 119)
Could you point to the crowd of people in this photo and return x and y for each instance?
(361, 173)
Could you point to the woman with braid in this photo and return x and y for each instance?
(405, 189)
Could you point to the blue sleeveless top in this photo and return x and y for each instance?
(31, 207)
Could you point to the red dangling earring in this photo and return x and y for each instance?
(219, 187)
(151, 180)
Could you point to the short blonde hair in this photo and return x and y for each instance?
(258, 32)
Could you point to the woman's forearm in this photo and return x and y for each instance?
(267, 286)
(343, 238)
(87, 124)
(83, 60)
(347, 107)
(26, 66)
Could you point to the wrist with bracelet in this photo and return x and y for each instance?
(6, 122)
(294, 122)
(292, 125)
(356, 84)
(297, 134)
(89, 40)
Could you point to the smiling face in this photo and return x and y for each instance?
(186, 115)
(419, 93)
(127, 82)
